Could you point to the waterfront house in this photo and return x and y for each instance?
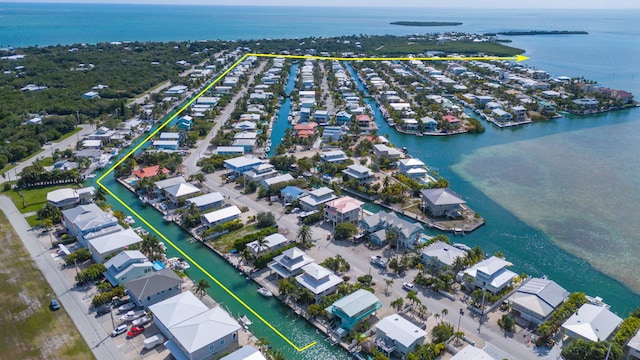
(67, 197)
(520, 112)
(261, 172)
(241, 164)
(247, 145)
(245, 125)
(154, 287)
(397, 335)
(184, 122)
(289, 263)
(471, 352)
(229, 150)
(271, 243)
(441, 202)
(343, 117)
(180, 192)
(409, 124)
(316, 198)
(334, 157)
(376, 225)
(344, 209)
(319, 280)
(586, 103)
(482, 99)
(363, 120)
(221, 216)
(332, 133)
(490, 274)
(384, 151)
(170, 145)
(492, 105)
(103, 246)
(83, 220)
(441, 255)
(166, 183)
(591, 323)
(206, 202)
(246, 352)
(194, 331)
(633, 347)
(358, 172)
(126, 266)
(305, 113)
(537, 298)
(430, 124)
(149, 171)
(413, 168)
(501, 115)
(291, 193)
(352, 309)
(452, 120)
(267, 183)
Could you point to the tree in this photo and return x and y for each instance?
(49, 211)
(304, 234)
(459, 335)
(265, 219)
(151, 248)
(507, 323)
(199, 177)
(441, 332)
(444, 312)
(392, 235)
(397, 304)
(345, 230)
(387, 283)
(201, 287)
(100, 195)
(580, 349)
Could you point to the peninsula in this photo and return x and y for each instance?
(426, 23)
(543, 32)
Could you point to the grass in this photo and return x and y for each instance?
(33, 220)
(225, 242)
(34, 199)
(29, 329)
(69, 134)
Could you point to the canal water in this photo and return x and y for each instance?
(513, 229)
(282, 122)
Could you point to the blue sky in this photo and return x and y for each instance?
(496, 4)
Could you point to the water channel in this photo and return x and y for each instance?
(282, 122)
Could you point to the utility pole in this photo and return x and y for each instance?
(460, 318)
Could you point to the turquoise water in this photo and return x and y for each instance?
(282, 122)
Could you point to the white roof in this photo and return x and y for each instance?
(592, 322)
(61, 195)
(271, 241)
(169, 135)
(278, 179)
(317, 278)
(204, 329)
(91, 143)
(356, 302)
(400, 329)
(165, 143)
(242, 161)
(114, 241)
(246, 352)
(321, 191)
(471, 352)
(206, 199)
(445, 253)
(125, 257)
(221, 214)
(182, 189)
(162, 184)
(540, 296)
(177, 308)
(411, 162)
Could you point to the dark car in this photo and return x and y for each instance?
(104, 309)
(54, 305)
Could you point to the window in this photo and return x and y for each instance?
(212, 347)
(222, 342)
(234, 336)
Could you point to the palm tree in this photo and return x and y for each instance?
(100, 196)
(391, 235)
(201, 287)
(262, 245)
(150, 247)
(199, 177)
(397, 303)
(444, 313)
(459, 335)
(304, 234)
(387, 283)
(436, 316)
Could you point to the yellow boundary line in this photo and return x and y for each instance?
(193, 99)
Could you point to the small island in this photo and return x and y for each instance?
(543, 32)
(426, 23)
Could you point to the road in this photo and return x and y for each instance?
(93, 333)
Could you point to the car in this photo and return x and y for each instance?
(119, 330)
(409, 286)
(135, 331)
(379, 261)
(54, 305)
(104, 309)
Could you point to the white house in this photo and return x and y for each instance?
(334, 157)
(591, 323)
(536, 299)
(221, 216)
(289, 263)
(395, 334)
(491, 274)
(127, 265)
(358, 172)
(271, 243)
(440, 255)
(471, 352)
(316, 198)
(83, 220)
(103, 246)
(207, 201)
(413, 168)
(319, 280)
(376, 225)
(384, 151)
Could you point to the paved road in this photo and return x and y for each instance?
(96, 337)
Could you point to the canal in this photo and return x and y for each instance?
(282, 121)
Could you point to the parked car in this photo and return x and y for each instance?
(142, 321)
(135, 331)
(379, 261)
(54, 305)
(117, 301)
(153, 341)
(119, 330)
(127, 307)
(409, 286)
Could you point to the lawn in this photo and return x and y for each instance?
(29, 329)
(34, 199)
(225, 242)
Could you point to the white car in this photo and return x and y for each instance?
(409, 286)
(119, 330)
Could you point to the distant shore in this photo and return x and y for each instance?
(425, 23)
(543, 32)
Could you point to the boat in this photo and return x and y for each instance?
(267, 149)
(129, 220)
(244, 321)
(167, 218)
(265, 292)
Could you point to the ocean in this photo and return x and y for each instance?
(560, 198)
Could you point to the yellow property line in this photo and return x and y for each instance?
(203, 91)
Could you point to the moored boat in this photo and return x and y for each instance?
(265, 292)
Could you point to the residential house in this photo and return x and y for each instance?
(591, 323)
(344, 209)
(334, 157)
(92, 144)
(181, 192)
(206, 202)
(289, 263)
(247, 145)
(83, 220)
(246, 352)
(261, 172)
(229, 150)
(501, 115)
(633, 347)
(492, 105)
(430, 124)
(471, 352)
(103, 246)
(316, 198)
(343, 117)
(441, 202)
(363, 120)
(185, 123)
(397, 335)
(67, 197)
(169, 136)
(352, 309)
(245, 126)
(319, 280)
(195, 332)
(520, 112)
(221, 216)
(321, 116)
(452, 120)
(409, 125)
(332, 133)
(170, 145)
(384, 151)
(491, 274)
(154, 287)
(376, 225)
(241, 164)
(126, 266)
(291, 193)
(167, 183)
(271, 243)
(441, 255)
(149, 171)
(413, 168)
(537, 298)
(267, 183)
(358, 172)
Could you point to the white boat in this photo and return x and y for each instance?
(265, 292)
(244, 321)
(267, 149)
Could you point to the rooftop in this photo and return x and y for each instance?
(400, 329)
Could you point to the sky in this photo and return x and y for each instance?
(479, 4)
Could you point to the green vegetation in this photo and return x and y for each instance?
(442, 332)
(336, 264)
(543, 32)
(345, 231)
(242, 237)
(580, 349)
(27, 326)
(560, 315)
(34, 199)
(425, 23)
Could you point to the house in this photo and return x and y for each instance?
(241, 164)
(363, 120)
(160, 185)
(105, 245)
(83, 220)
(384, 151)
(501, 115)
(376, 225)
(92, 144)
(536, 299)
(334, 157)
(169, 136)
(126, 266)
(66, 198)
(194, 331)
(289, 263)
(358, 172)
(491, 274)
(247, 145)
(229, 150)
(245, 126)
(271, 243)
(344, 209)
(586, 103)
(452, 120)
(305, 112)
(332, 133)
(171, 145)
(267, 183)
(246, 352)
(520, 112)
(441, 202)
(149, 171)
(291, 193)
(343, 117)
(208, 201)
(395, 334)
(353, 308)
(154, 287)
(316, 198)
(430, 124)
(441, 255)
(321, 116)
(471, 352)
(492, 105)
(409, 125)
(319, 280)
(91, 95)
(591, 323)
(413, 168)
(221, 216)
(633, 352)
(184, 122)
(180, 192)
